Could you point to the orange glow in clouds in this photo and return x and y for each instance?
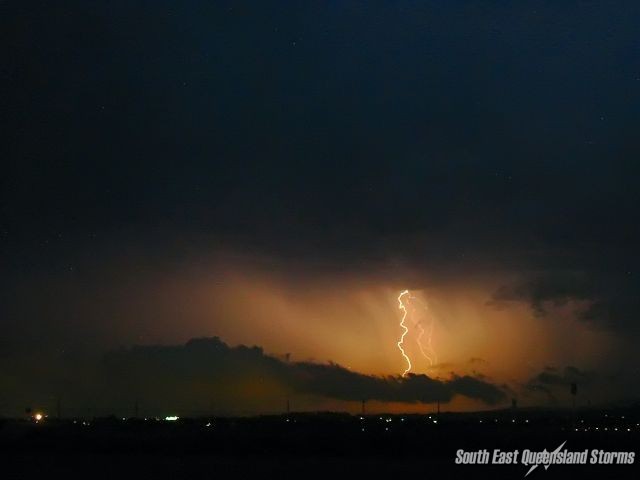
(366, 324)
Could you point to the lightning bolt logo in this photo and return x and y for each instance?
(546, 467)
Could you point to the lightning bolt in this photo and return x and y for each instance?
(405, 330)
(419, 342)
(546, 467)
(432, 357)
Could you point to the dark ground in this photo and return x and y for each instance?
(312, 445)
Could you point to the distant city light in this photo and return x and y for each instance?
(171, 418)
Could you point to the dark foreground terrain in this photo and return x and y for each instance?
(313, 445)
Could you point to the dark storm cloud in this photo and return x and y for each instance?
(533, 389)
(337, 382)
(206, 374)
(344, 120)
(212, 362)
(445, 136)
(611, 297)
(568, 376)
(556, 289)
(554, 383)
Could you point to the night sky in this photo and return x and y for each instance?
(275, 173)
